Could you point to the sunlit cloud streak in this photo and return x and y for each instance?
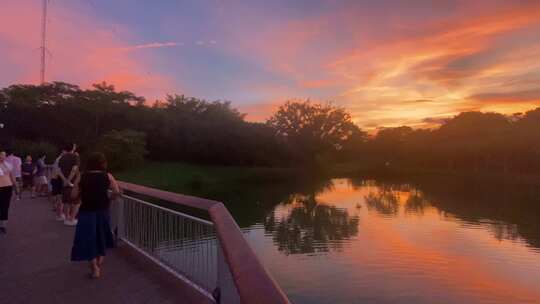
(158, 45)
(153, 45)
(508, 97)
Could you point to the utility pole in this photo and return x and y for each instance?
(43, 48)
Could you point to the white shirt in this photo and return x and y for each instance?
(14, 163)
(5, 179)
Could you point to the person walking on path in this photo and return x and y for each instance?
(40, 179)
(28, 170)
(15, 163)
(7, 185)
(93, 233)
(69, 164)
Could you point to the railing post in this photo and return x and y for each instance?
(228, 293)
(117, 218)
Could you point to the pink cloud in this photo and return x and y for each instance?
(260, 112)
(84, 50)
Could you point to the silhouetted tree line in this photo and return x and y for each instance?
(178, 128)
(299, 133)
(469, 142)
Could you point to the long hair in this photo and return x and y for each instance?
(96, 162)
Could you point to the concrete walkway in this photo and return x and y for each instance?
(35, 267)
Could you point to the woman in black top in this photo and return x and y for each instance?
(93, 233)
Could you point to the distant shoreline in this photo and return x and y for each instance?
(528, 179)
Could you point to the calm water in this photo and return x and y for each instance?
(367, 241)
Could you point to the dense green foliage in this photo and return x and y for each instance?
(186, 178)
(179, 128)
(35, 149)
(194, 130)
(300, 133)
(123, 149)
(318, 132)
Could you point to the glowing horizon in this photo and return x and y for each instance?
(389, 63)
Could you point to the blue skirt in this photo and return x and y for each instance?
(92, 236)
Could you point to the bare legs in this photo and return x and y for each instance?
(20, 186)
(71, 211)
(32, 191)
(59, 207)
(96, 271)
(42, 190)
(95, 266)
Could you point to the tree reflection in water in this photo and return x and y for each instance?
(311, 227)
(385, 199)
(508, 210)
(385, 202)
(416, 202)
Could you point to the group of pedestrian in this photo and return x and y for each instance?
(81, 198)
(29, 175)
(33, 176)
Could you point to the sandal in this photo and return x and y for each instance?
(96, 273)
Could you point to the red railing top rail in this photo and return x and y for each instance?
(185, 200)
(252, 280)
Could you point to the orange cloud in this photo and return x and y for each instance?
(319, 83)
(374, 71)
(508, 97)
(453, 61)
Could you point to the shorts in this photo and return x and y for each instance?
(40, 180)
(56, 184)
(66, 196)
(28, 181)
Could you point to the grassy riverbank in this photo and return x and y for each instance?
(248, 192)
(198, 179)
(189, 178)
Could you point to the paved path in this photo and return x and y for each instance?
(35, 267)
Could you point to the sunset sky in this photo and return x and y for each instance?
(388, 62)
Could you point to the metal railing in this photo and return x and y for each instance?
(185, 244)
(211, 256)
